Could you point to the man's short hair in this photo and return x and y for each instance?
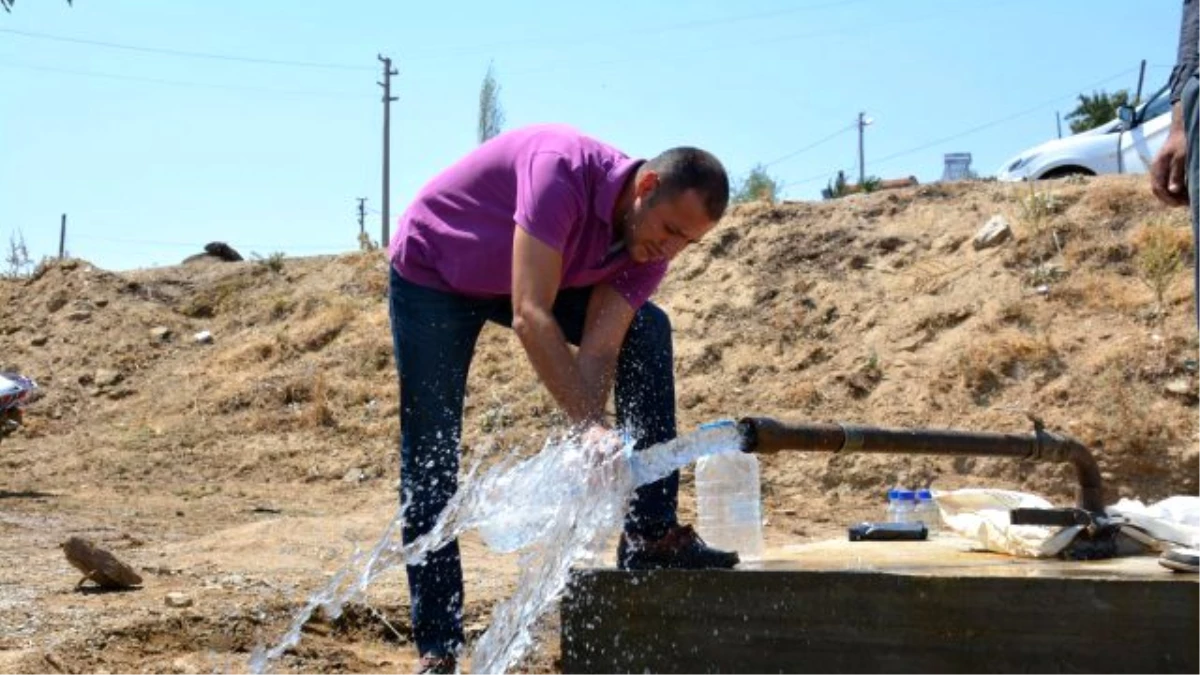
(685, 168)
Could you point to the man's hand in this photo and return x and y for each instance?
(603, 451)
(1167, 172)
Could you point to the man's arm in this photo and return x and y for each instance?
(537, 273)
(1167, 179)
(607, 322)
(1167, 171)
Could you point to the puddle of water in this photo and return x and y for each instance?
(558, 508)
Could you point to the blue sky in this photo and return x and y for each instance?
(152, 154)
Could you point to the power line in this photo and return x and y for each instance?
(687, 54)
(806, 148)
(540, 41)
(182, 53)
(1008, 118)
(178, 83)
(180, 244)
(981, 127)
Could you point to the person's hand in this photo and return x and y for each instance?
(604, 448)
(1167, 172)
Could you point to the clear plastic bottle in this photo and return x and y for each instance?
(906, 503)
(893, 499)
(926, 510)
(729, 503)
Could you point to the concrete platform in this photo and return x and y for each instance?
(928, 607)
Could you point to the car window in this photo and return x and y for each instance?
(1159, 105)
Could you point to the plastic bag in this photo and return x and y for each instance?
(1174, 519)
(982, 515)
(15, 391)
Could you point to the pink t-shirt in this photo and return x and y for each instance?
(558, 184)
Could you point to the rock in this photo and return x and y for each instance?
(204, 337)
(995, 232)
(101, 302)
(106, 378)
(223, 251)
(354, 475)
(178, 600)
(98, 565)
(1042, 290)
(160, 333)
(120, 393)
(79, 315)
(56, 301)
(948, 243)
(1181, 386)
(39, 340)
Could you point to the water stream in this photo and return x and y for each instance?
(557, 509)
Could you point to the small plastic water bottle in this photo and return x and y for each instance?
(893, 513)
(926, 510)
(729, 503)
(906, 503)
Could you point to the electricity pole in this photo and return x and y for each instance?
(362, 214)
(863, 121)
(388, 72)
(62, 237)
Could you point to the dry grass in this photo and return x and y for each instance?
(985, 366)
(1162, 250)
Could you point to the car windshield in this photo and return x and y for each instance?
(1159, 104)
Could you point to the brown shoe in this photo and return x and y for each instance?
(436, 664)
(679, 549)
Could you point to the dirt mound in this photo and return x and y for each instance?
(241, 470)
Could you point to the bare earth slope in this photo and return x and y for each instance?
(242, 473)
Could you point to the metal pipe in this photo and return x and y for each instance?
(767, 436)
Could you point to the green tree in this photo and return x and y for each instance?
(491, 115)
(1096, 109)
(758, 185)
(836, 187)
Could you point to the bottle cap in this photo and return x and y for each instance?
(907, 494)
(924, 494)
(893, 494)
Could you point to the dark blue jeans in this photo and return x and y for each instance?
(1192, 127)
(434, 335)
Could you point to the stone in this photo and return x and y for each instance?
(39, 340)
(101, 302)
(178, 600)
(204, 337)
(106, 378)
(160, 333)
(56, 301)
(354, 475)
(993, 233)
(79, 315)
(1180, 386)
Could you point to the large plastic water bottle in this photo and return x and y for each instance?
(926, 510)
(729, 503)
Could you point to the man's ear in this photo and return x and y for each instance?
(646, 183)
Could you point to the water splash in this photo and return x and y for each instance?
(559, 508)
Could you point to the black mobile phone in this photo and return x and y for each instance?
(889, 532)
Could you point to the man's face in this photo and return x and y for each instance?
(658, 229)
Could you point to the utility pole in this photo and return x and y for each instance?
(863, 122)
(362, 215)
(1058, 121)
(388, 72)
(1137, 97)
(62, 237)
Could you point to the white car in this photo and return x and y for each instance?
(1124, 145)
